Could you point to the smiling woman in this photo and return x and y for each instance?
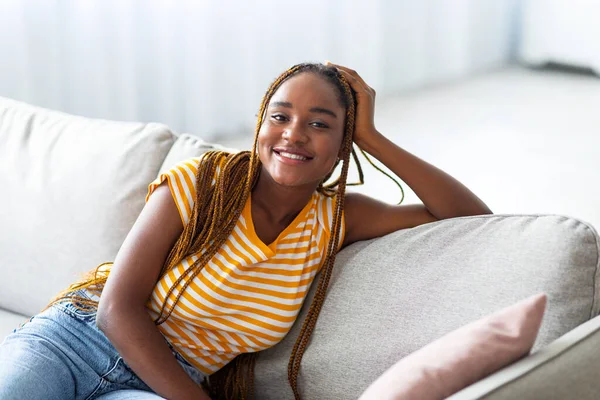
(301, 137)
(224, 253)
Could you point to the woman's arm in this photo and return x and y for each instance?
(442, 195)
(122, 313)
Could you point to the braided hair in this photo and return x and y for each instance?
(216, 211)
(236, 380)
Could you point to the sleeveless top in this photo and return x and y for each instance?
(249, 294)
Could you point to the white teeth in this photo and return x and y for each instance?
(292, 156)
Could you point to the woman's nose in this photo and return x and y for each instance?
(295, 134)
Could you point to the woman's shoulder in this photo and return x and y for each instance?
(191, 165)
(325, 208)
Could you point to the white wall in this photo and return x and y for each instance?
(202, 66)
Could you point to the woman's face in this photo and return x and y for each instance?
(301, 135)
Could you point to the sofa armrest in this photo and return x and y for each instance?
(565, 369)
(390, 296)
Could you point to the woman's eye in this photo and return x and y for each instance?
(319, 125)
(278, 117)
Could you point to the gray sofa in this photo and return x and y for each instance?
(71, 188)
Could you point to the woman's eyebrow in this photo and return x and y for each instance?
(285, 104)
(323, 111)
(319, 110)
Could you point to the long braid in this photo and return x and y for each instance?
(217, 208)
(317, 303)
(228, 383)
(222, 218)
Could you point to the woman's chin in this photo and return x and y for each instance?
(289, 183)
(292, 183)
(291, 179)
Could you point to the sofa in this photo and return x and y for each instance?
(72, 187)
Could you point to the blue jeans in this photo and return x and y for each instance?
(61, 354)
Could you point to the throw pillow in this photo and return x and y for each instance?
(463, 356)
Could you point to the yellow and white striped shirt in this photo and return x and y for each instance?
(249, 294)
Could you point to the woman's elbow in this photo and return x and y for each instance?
(105, 310)
(114, 313)
(479, 208)
(486, 211)
(111, 312)
(481, 211)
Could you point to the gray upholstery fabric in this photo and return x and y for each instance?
(72, 188)
(389, 297)
(9, 321)
(565, 369)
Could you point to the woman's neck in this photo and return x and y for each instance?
(280, 203)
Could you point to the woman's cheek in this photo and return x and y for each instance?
(331, 162)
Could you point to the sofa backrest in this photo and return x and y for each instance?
(188, 146)
(390, 296)
(71, 188)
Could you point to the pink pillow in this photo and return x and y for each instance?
(464, 356)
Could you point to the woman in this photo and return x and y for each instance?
(222, 256)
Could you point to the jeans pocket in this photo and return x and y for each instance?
(120, 376)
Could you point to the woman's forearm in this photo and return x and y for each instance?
(444, 196)
(144, 349)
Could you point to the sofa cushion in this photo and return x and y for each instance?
(72, 188)
(565, 369)
(391, 296)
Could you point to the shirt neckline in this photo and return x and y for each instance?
(270, 250)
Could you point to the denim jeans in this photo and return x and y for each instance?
(61, 354)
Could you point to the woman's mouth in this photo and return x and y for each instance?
(290, 158)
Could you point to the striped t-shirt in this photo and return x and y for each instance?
(249, 294)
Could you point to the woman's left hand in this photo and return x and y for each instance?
(365, 110)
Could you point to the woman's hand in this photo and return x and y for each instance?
(365, 131)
